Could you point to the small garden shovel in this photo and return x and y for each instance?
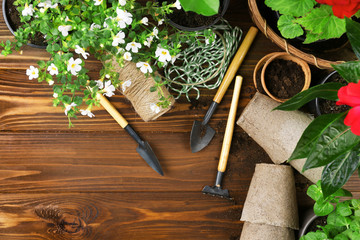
(143, 148)
(216, 190)
(201, 133)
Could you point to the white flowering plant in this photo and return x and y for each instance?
(75, 29)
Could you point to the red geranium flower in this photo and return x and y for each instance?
(350, 95)
(342, 8)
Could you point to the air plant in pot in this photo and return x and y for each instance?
(124, 30)
(333, 140)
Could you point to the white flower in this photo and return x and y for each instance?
(207, 41)
(163, 55)
(127, 56)
(155, 108)
(144, 67)
(51, 82)
(32, 72)
(80, 50)
(28, 10)
(87, 112)
(67, 19)
(68, 107)
(155, 32)
(177, 4)
(134, 46)
(122, 2)
(123, 18)
(64, 29)
(160, 22)
(148, 41)
(99, 84)
(97, 2)
(118, 38)
(47, 4)
(53, 70)
(107, 76)
(173, 58)
(109, 89)
(55, 95)
(145, 21)
(125, 85)
(93, 26)
(74, 66)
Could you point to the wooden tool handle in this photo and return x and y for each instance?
(112, 110)
(230, 126)
(235, 64)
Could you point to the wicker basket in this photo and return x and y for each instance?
(337, 56)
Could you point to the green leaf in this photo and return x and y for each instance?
(311, 135)
(314, 192)
(327, 91)
(314, 236)
(294, 8)
(353, 34)
(343, 209)
(203, 7)
(338, 172)
(337, 220)
(322, 21)
(335, 141)
(323, 208)
(288, 27)
(350, 71)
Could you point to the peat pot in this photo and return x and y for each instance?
(281, 76)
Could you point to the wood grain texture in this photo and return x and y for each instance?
(88, 182)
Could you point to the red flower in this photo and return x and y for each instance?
(350, 95)
(342, 8)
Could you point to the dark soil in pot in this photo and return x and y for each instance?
(191, 21)
(324, 106)
(284, 78)
(319, 221)
(13, 18)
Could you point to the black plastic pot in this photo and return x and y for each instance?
(10, 26)
(316, 101)
(224, 4)
(309, 217)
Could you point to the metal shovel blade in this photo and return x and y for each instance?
(200, 136)
(149, 156)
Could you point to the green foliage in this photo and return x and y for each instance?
(203, 7)
(327, 141)
(74, 30)
(343, 221)
(299, 16)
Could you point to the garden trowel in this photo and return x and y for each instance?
(216, 190)
(201, 133)
(143, 148)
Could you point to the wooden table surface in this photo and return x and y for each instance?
(88, 182)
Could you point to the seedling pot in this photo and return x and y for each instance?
(287, 57)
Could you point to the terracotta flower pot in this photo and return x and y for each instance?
(264, 63)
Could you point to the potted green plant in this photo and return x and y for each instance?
(333, 140)
(109, 30)
(342, 218)
(196, 15)
(314, 19)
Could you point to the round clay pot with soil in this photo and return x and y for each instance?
(191, 21)
(283, 76)
(323, 106)
(12, 20)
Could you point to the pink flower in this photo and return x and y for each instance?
(350, 95)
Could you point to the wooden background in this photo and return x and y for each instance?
(88, 182)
